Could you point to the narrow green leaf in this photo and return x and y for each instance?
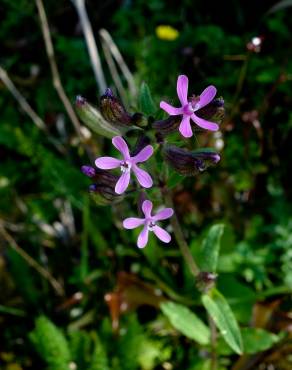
(211, 247)
(186, 322)
(145, 100)
(220, 311)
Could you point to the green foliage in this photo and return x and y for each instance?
(146, 103)
(80, 347)
(130, 345)
(220, 311)
(211, 248)
(186, 322)
(51, 344)
(256, 340)
(99, 360)
(44, 204)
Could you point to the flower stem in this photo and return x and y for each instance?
(183, 246)
(213, 330)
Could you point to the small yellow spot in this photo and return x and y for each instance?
(168, 33)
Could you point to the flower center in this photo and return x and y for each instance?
(188, 109)
(151, 225)
(125, 166)
(197, 107)
(195, 101)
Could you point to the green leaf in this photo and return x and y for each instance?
(186, 322)
(211, 247)
(99, 359)
(145, 100)
(240, 297)
(220, 311)
(254, 340)
(257, 340)
(51, 344)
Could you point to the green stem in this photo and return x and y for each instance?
(213, 330)
(183, 246)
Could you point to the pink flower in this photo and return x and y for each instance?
(188, 109)
(127, 164)
(149, 224)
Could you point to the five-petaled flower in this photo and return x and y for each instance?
(149, 224)
(127, 164)
(188, 108)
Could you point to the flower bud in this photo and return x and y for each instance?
(113, 110)
(168, 125)
(214, 111)
(189, 163)
(103, 188)
(92, 118)
(88, 171)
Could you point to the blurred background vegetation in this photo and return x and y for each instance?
(67, 269)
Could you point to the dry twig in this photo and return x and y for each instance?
(31, 262)
(54, 68)
(91, 44)
(107, 39)
(27, 108)
(114, 71)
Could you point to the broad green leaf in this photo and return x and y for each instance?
(145, 100)
(186, 322)
(220, 311)
(254, 340)
(240, 296)
(211, 247)
(257, 340)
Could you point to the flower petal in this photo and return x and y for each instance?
(143, 237)
(163, 214)
(107, 163)
(205, 124)
(147, 208)
(161, 234)
(143, 177)
(182, 89)
(143, 155)
(121, 145)
(122, 183)
(172, 111)
(133, 222)
(207, 95)
(185, 127)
